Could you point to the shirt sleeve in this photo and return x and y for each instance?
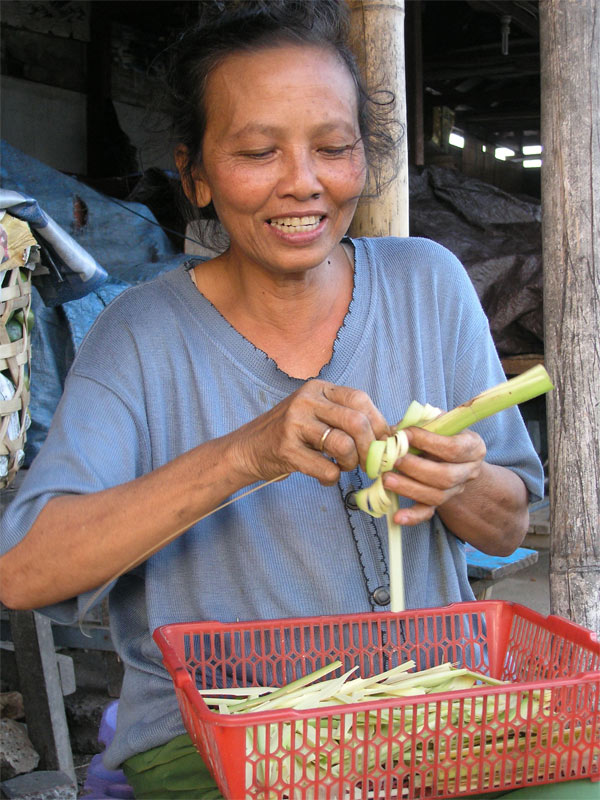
(505, 434)
(81, 454)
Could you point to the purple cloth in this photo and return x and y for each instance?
(102, 783)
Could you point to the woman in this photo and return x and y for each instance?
(285, 355)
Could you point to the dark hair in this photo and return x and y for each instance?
(229, 26)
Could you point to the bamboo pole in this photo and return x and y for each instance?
(570, 71)
(378, 42)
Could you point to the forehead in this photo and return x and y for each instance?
(285, 82)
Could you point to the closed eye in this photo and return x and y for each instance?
(258, 155)
(335, 151)
(342, 150)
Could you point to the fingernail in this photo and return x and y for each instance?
(388, 481)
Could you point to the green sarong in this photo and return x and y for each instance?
(176, 771)
(172, 771)
(566, 790)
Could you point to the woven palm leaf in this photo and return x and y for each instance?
(18, 254)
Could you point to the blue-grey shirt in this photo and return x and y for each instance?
(162, 371)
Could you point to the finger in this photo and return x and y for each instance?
(342, 448)
(438, 474)
(413, 515)
(406, 486)
(323, 439)
(465, 446)
(358, 401)
(313, 464)
(352, 413)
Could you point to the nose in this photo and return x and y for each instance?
(299, 176)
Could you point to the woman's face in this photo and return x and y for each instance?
(282, 158)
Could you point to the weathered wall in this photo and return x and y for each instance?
(45, 122)
(45, 54)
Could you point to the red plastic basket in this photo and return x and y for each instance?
(543, 727)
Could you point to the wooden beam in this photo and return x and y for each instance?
(570, 58)
(530, 46)
(525, 19)
(516, 365)
(503, 117)
(378, 40)
(453, 69)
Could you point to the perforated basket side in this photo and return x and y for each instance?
(542, 727)
(546, 648)
(273, 652)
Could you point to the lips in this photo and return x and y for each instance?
(296, 224)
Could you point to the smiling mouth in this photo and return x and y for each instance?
(296, 224)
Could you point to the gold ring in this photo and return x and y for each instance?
(322, 439)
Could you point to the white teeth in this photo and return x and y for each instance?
(296, 224)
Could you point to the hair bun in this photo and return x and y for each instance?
(223, 13)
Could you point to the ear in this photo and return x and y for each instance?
(193, 182)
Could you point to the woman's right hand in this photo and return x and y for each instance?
(288, 437)
(86, 540)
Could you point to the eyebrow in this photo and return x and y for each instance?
(272, 130)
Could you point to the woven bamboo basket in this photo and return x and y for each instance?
(19, 253)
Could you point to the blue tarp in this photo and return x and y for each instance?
(106, 249)
(71, 272)
(123, 243)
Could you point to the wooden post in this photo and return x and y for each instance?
(378, 39)
(570, 72)
(40, 685)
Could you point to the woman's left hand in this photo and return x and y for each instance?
(443, 469)
(481, 503)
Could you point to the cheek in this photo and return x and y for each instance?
(349, 180)
(359, 178)
(348, 185)
(360, 171)
(242, 191)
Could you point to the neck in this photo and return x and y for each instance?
(294, 318)
(270, 299)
